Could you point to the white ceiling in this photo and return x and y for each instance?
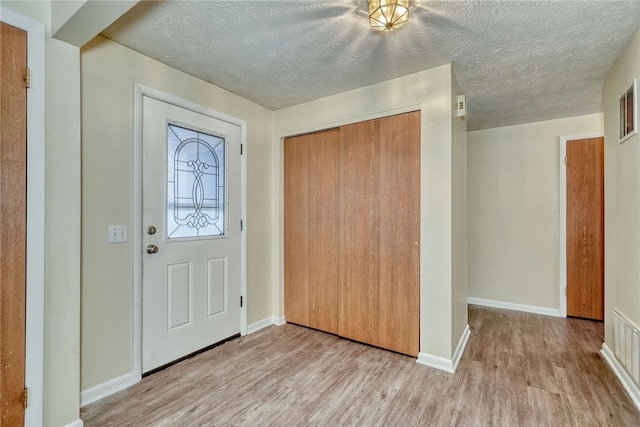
(517, 61)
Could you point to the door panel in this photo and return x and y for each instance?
(359, 237)
(13, 206)
(380, 232)
(216, 285)
(179, 286)
(191, 195)
(311, 181)
(585, 228)
(324, 218)
(399, 285)
(296, 230)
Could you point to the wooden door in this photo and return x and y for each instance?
(585, 228)
(351, 231)
(399, 231)
(311, 219)
(380, 231)
(13, 193)
(359, 236)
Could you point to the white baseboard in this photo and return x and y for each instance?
(462, 344)
(625, 379)
(76, 423)
(107, 388)
(447, 365)
(554, 312)
(268, 321)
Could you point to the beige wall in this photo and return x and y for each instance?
(622, 197)
(429, 91)
(109, 72)
(62, 221)
(62, 266)
(514, 210)
(459, 236)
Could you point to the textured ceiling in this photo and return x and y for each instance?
(517, 61)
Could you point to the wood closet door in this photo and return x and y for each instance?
(311, 219)
(380, 232)
(585, 228)
(13, 222)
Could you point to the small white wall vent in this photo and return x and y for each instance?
(626, 343)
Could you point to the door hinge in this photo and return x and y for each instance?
(241, 226)
(241, 302)
(26, 398)
(241, 149)
(565, 160)
(27, 78)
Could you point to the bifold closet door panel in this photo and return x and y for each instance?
(359, 236)
(312, 176)
(399, 238)
(296, 230)
(324, 220)
(379, 232)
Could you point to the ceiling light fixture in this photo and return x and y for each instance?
(388, 14)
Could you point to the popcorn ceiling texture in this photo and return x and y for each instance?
(517, 61)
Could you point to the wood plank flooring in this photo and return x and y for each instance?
(519, 369)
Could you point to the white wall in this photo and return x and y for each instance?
(514, 210)
(62, 220)
(430, 91)
(109, 72)
(622, 197)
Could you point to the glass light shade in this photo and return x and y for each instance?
(388, 14)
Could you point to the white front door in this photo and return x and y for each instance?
(191, 269)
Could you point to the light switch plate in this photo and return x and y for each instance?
(117, 233)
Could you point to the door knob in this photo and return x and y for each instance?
(152, 249)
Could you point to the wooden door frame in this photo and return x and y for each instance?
(140, 92)
(34, 360)
(563, 216)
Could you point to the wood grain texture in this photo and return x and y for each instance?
(585, 228)
(324, 220)
(399, 231)
(380, 231)
(359, 231)
(312, 165)
(13, 205)
(352, 210)
(519, 369)
(296, 230)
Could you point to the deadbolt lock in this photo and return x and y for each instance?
(151, 230)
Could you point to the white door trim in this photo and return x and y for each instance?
(139, 92)
(562, 279)
(34, 361)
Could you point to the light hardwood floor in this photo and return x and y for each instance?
(518, 369)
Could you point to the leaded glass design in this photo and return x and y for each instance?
(195, 183)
